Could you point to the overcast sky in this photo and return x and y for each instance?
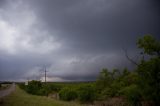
(74, 39)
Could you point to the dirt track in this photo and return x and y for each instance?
(7, 91)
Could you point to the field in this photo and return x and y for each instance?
(21, 98)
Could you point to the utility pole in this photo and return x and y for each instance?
(45, 73)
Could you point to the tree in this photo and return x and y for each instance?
(150, 45)
(138, 85)
(149, 71)
(115, 74)
(104, 79)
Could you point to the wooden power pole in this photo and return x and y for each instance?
(45, 71)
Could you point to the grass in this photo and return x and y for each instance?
(21, 98)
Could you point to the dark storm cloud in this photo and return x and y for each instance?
(2, 2)
(91, 24)
(76, 38)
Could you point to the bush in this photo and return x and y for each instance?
(132, 94)
(33, 87)
(38, 88)
(86, 94)
(54, 87)
(22, 86)
(67, 94)
(42, 92)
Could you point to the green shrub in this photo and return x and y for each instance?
(104, 94)
(22, 86)
(132, 94)
(86, 94)
(42, 92)
(67, 94)
(54, 87)
(38, 88)
(33, 87)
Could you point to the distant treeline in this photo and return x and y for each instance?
(6, 82)
(132, 87)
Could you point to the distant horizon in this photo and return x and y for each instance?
(47, 81)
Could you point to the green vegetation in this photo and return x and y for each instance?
(39, 88)
(86, 94)
(21, 98)
(68, 94)
(149, 71)
(82, 93)
(137, 87)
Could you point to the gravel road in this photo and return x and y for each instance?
(7, 91)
